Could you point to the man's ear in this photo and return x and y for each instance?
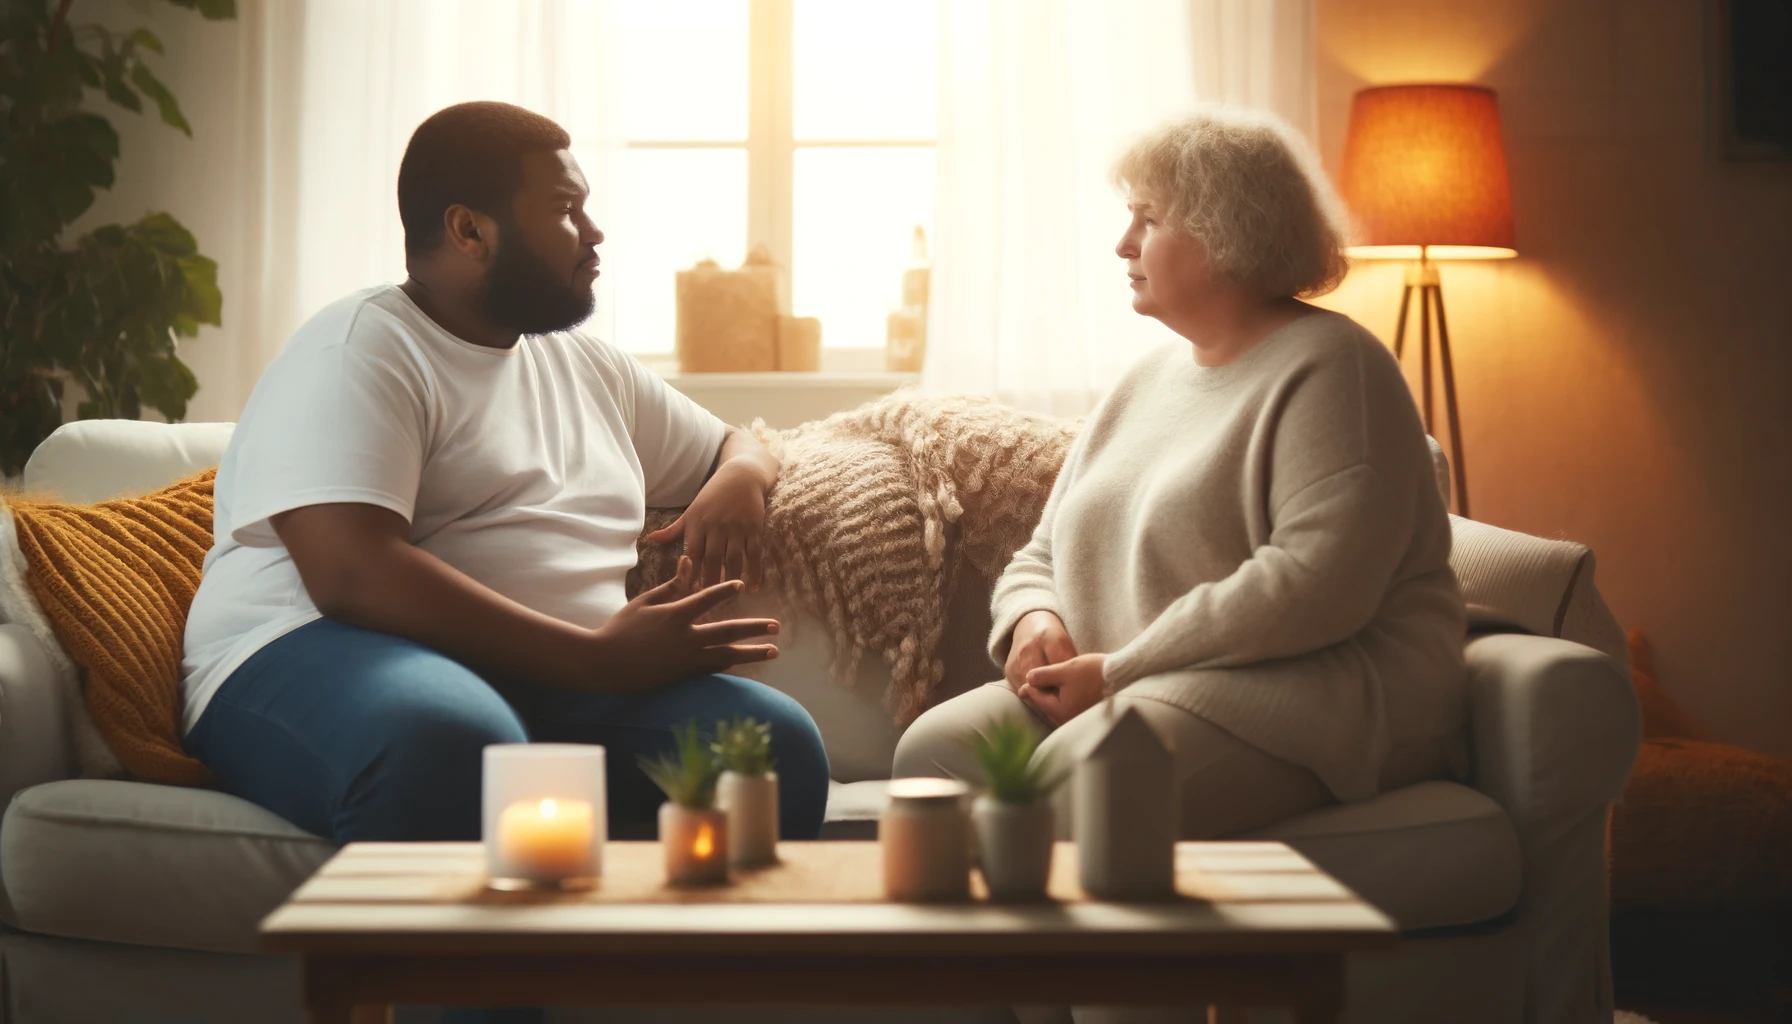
(469, 232)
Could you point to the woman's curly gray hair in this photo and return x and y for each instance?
(1248, 188)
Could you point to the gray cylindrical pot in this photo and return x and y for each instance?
(751, 803)
(1014, 846)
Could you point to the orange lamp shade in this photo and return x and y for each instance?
(1424, 167)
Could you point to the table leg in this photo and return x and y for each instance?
(338, 1014)
(1319, 997)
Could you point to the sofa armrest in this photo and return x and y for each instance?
(34, 731)
(1556, 728)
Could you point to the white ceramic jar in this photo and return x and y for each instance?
(751, 803)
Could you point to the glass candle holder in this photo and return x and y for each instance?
(925, 837)
(544, 815)
(694, 842)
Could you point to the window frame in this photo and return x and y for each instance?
(771, 142)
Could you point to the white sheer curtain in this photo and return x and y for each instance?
(1029, 302)
(373, 71)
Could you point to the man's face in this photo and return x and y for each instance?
(546, 261)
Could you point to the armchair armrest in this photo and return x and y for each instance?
(1556, 728)
(34, 728)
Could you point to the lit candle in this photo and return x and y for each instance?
(547, 840)
(696, 845)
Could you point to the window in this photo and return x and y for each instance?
(803, 125)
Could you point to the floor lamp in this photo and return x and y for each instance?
(1425, 176)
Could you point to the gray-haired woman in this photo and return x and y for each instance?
(1246, 542)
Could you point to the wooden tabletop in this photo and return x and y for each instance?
(824, 900)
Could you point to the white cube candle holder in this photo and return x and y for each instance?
(544, 815)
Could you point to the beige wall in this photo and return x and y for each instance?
(1627, 381)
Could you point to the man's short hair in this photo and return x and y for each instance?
(1251, 191)
(472, 154)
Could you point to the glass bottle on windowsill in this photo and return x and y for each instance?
(905, 342)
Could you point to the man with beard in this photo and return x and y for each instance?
(426, 514)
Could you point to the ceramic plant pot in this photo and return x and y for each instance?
(1014, 847)
(751, 804)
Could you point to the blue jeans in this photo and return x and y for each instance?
(355, 735)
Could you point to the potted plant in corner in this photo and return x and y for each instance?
(693, 834)
(747, 791)
(1012, 819)
(97, 314)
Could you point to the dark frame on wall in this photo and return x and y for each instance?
(1754, 79)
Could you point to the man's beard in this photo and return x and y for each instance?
(523, 295)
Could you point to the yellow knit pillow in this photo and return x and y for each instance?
(116, 579)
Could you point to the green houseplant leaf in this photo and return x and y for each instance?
(1010, 770)
(152, 87)
(688, 774)
(743, 746)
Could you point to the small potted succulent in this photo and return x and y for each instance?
(1012, 818)
(693, 834)
(747, 791)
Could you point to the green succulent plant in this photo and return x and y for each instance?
(1010, 771)
(688, 773)
(743, 746)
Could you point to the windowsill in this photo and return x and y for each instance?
(784, 399)
(834, 362)
(777, 379)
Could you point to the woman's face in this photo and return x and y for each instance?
(1170, 273)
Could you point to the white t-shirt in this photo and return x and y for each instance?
(530, 469)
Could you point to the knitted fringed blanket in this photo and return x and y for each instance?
(876, 514)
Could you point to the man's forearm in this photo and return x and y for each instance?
(405, 591)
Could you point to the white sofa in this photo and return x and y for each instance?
(124, 901)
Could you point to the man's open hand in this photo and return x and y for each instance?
(656, 639)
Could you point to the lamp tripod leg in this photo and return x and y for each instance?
(1425, 355)
(1456, 464)
(1400, 322)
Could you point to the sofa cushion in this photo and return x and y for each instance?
(92, 460)
(150, 865)
(1434, 855)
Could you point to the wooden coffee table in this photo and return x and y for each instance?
(386, 923)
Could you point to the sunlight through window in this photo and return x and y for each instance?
(803, 125)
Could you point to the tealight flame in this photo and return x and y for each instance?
(705, 843)
(549, 808)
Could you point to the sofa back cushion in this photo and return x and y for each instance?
(93, 460)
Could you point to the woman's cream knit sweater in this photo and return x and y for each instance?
(1262, 543)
